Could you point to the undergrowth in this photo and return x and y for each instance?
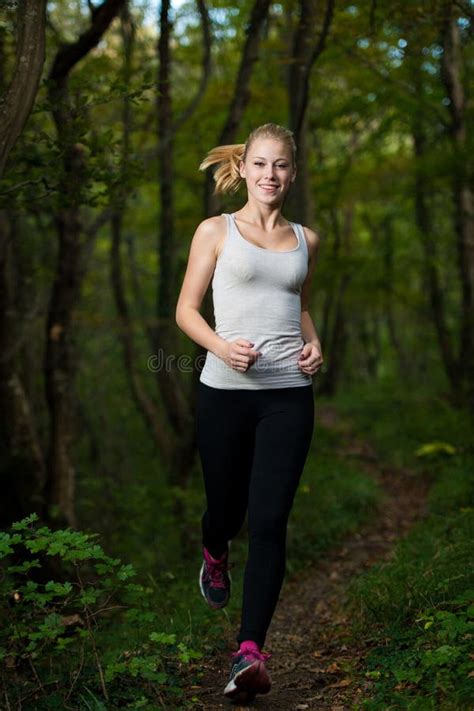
(416, 610)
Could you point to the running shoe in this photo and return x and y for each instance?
(248, 675)
(215, 580)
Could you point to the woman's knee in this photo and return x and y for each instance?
(268, 526)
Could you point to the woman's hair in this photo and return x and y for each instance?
(227, 175)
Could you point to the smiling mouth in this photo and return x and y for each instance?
(268, 187)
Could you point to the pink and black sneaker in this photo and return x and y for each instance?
(248, 675)
(215, 580)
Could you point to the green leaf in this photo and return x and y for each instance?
(445, 654)
(431, 449)
(126, 571)
(25, 567)
(163, 638)
(25, 522)
(6, 543)
(59, 588)
(89, 596)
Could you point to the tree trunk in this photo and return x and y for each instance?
(305, 52)
(404, 362)
(383, 242)
(426, 230)
(171, 385)
(336, 345)
(16, 104)
(452, 72)
(22, 468)
(59, 356)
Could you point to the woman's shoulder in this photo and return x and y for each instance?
(211, 226)
(210, 233)
(312, 239)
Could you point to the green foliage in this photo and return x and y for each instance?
(419, 605)
(432, 659)
(453, 487)
(403, 418)
(91, 636)
(431, 567)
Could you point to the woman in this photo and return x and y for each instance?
(255, 408)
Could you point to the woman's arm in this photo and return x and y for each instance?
(311, 358)
(203, 253)
(200, 268)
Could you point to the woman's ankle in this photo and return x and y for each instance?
(215, 557)
(249, 645)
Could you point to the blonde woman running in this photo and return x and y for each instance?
(255, 406)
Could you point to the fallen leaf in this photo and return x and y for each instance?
(342, 682)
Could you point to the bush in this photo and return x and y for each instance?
(85, 638)
(420, 605)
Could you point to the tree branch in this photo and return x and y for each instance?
(72, 53)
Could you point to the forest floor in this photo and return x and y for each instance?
(315, 659)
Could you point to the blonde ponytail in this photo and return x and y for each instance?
(227, 175)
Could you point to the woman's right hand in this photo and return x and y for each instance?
(239, 355)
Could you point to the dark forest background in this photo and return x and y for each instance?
(106, 110)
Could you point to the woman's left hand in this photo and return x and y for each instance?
(311, 358)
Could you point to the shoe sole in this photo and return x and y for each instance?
(252, 680)
(214, 607)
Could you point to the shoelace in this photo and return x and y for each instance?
(253, 654)
(217, 572)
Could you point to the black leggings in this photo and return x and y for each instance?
(253, 445)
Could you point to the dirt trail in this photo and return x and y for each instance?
(309, 634)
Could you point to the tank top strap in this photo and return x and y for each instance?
(301, 238)
(230, 225)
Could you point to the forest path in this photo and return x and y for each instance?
(309, 636)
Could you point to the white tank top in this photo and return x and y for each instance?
(257, 296)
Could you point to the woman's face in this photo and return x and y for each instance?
(268, 170)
